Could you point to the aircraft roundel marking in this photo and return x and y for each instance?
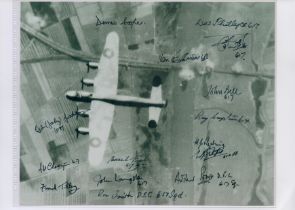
(108, 53)
(95, 142)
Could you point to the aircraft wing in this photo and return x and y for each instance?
(106, 80)
(101, 113)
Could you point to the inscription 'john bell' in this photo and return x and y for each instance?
(227, 92)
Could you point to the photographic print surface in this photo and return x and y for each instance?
(153, 103)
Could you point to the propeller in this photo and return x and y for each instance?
(88, 67)
(77, 132)
(82, 83)
(77, 112)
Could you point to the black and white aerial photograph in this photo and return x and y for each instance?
(147, 103)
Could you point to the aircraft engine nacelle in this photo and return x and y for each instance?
(81, 130)
(92, 65)
(80, 96)
(83, 112)
(86, 82)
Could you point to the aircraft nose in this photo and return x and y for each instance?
(70, 94)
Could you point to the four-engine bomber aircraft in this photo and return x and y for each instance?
(104, 99)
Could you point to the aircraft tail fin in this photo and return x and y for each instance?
(156, 95)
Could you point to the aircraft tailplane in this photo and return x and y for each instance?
(156, 95)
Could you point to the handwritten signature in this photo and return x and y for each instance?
(236, 42)
(227, 23)
(207, 149)
(185, 57)
(221, 117)
(205, 178)
(224, 178)
(51, 165)
(183, 178)
(139, 180)
(71, 188)
(119, 194)
(57, 123)
(132, 163)
(124, 22)
(228, 92)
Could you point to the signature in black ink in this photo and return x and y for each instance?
(133, 179)
(124, 22)
(205, 178)
(132, 22)
(207, 149)
(118, 159)
(119, 194)
(139, 180)
(51, 165)
(122, 195)
(227, 23)
(228, 92)
(101, 193)
(205, 152)
(57, 123)
(132, 163)
(144, 194)
(202, 117)
(226, 179)
(66, 185)
(170, 194)
(207, 142)
(223, 178)
(185, 57)
(67, 117)
(210, 152)
(100, 22)
(138, 161)
(183, 178)
(100, 179)
(235, 42)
